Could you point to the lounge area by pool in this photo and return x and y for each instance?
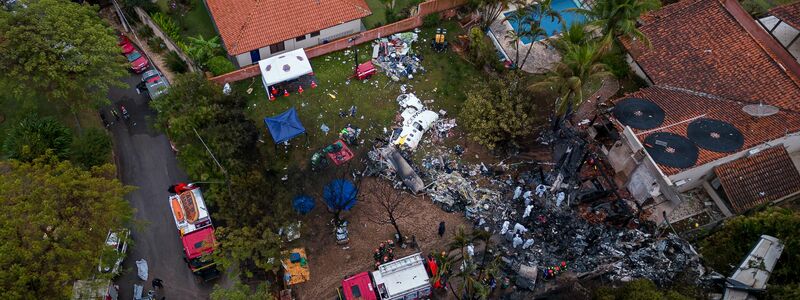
(551, 27)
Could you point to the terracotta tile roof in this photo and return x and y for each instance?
(681, 105)
(247, 25)
(789, 13)
(761, 178)
(703, 46)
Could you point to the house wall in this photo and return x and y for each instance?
(328, 34)
(694, 177)
(637, 69)
(424, 9)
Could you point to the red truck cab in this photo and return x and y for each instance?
(195, 230)
(358, 287)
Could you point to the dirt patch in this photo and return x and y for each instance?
(330, 263)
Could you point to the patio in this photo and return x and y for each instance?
(541, 59)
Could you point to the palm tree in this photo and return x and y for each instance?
(579, 64)
(572, 34)
(515, 36)
(617, 18)
(202, 49)
(531, 15)
(488, 10)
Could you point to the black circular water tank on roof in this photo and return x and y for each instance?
(715, 135)
(639, 113)
(671, 150)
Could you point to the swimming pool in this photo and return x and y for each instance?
(551, 27)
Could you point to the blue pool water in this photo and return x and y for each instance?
(552, 27)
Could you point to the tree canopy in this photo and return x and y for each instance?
(250, 205)
(618, 18)
(61, 49)
(34, 136)
(54, 221)
(497, 112)
(728, 246)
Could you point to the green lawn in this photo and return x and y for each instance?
(378, 8)
(446, 80)
(194, 22)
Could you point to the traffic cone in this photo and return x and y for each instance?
(274, 91)
(285, 93)
(300, 90)
(313, 85)
(271, 97)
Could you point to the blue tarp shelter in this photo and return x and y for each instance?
(303, 204)
(284, 126)
(340, 194)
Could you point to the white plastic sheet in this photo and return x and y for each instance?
(141, 266)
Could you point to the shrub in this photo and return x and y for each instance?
(431, 20)
(156, 44)
(175, 63)
(219, 65)
(33, 136)
(616, 64)
(91, 149)
(146, 5)
(168, 25)
(144, 31)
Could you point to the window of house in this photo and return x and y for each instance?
(300, 38)
(315, 33)
(277, 47)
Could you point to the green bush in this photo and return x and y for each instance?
(175, 63)
(431, 20)
(726, 247)
(616, 64)
(144, 31)
(219, 65)
(156, 44)
(168, 25)
(34, 136)
(93, 148)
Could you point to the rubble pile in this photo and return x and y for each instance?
(394, 57)
(567, 213)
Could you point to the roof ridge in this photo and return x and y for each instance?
(792, 70)
(352, 4)
(244, 25)
(715, 97)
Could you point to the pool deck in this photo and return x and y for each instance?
(542, 58)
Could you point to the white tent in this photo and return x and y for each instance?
(283, 67)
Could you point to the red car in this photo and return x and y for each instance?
(138, 62)
(127, 48)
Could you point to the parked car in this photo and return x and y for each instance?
(138, 62)
(127, 48)
(114, 254)
(154, 83)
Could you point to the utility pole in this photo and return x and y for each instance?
(224, 172)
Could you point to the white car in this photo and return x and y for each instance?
(114, 253)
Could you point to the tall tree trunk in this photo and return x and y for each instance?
(400, 238)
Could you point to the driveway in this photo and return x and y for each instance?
(146, 161)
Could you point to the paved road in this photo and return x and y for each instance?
(145, 160)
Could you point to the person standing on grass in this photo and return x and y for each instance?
(441, 229)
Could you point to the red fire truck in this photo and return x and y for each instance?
(401, 279)
(195, 230)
